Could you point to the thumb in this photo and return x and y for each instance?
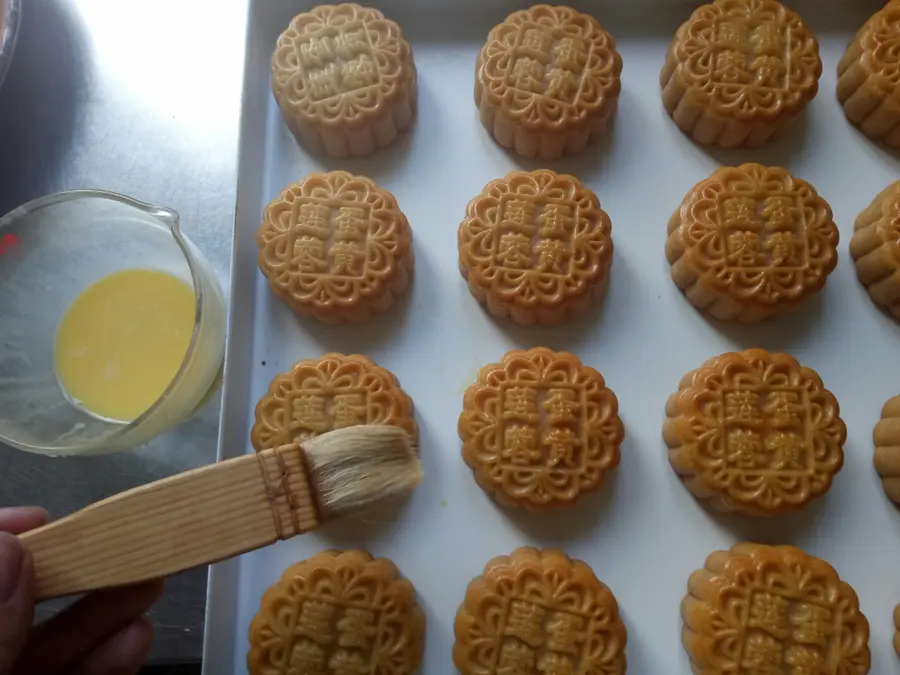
(16, 599)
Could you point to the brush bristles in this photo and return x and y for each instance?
(354, 467)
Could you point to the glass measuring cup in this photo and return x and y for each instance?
(51, 249)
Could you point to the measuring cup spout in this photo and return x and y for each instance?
(166, 216)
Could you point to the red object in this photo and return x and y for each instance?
(7, 242)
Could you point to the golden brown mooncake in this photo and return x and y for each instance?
(536, 247)
(331, 392)
(344, 79)
(755, 433)
(750, 242)
(757, 610)
(897, 629)
(539, 429)
(538, 612)
(868, 85)
(547, 81)
(739, 71)
(335, 614)
(336, 246)
(887, 448)
(875, 248)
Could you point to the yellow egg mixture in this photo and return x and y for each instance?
(121, 342)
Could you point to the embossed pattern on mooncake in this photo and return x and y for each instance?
(754, 432)
(772, 609)
(338, 613)
(887, 448)
(739, 71)
(538, 612)
(547, 81)
(868, 84)
(336, 246)
(332, 392)
(751, 241)
(344, 79)
(539, 429)
(535, 246)
(875, 249)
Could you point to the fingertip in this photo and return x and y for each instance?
(133, 644)
(16, 570)
(16, 598)
(140, 634)
(38, 512)
(19, 519)
(123, 653)
(130, 647)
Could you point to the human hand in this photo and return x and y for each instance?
(103, 633)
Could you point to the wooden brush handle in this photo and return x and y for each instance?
(194, 518)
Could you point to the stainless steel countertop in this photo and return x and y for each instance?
(140, 97)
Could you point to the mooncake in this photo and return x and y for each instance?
(538, 612)
(344, 79)
(754, 432)
(750, 242)
(772, 609)
(338, 613)
(547, 81)
(331, 392)
(536, 247)
(739, 71)
(336, 246)
(875, 249)
(868, 85)
(539, 429)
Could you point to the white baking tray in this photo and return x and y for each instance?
(643, 533)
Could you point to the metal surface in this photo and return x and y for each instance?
(138, 97)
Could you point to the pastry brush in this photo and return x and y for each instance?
(219, 511)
